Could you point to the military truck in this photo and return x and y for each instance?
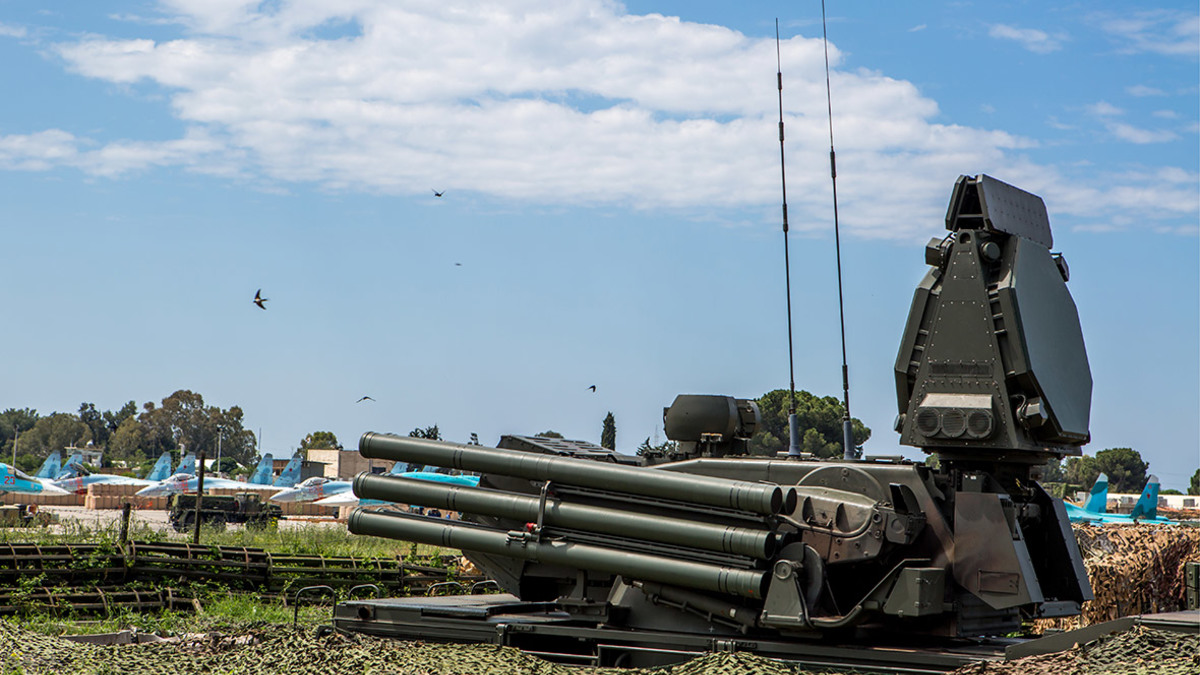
(244, 507)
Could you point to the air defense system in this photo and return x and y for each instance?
(722, 550)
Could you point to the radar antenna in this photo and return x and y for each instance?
(848, 448)
(793, 423)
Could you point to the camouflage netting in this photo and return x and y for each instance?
(283, 649)
(1140, 651)
(1134, 569)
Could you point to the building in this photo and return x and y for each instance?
(346, 464)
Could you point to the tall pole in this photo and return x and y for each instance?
(793, 423)
(16, 436)
(217, 466)
(199, 497)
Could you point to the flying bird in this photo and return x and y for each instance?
(438, 194)
(365, 398)
(259, 299)
(593, 387)
(458, 264)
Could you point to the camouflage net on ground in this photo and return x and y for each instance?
(1140, 651)
(284, 649)
(1134, 569)
(260, 650)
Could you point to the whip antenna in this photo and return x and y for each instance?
(793, 424)
(848, 449)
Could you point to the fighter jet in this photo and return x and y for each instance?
(348, 498)
(79, 482)
(13, 479)
(183, 483)
(290, 474)
(70, 468)
(312, 489)
(1144, 511)
(51, 467)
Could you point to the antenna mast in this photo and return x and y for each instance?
(848, 449)
(793, 424)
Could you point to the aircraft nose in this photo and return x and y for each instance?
(288, 495)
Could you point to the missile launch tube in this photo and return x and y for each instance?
(736, 540)
(700, 576)
(755, 497)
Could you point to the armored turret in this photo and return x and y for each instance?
(992, 376)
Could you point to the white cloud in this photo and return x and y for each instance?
(1104, 109)
(1166, 114)
(11, 31)
(1128, 132)
(1143, 90)
(918, 28)
(1037, 41)
(558, 102)
(39, 151)
(1158, 31)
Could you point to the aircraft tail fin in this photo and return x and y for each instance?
(1097, 501)
(162, 468)
(291, 473)
(75, 458)
(51, 467)
(1147, 504)
(263, 473)
(187, 464)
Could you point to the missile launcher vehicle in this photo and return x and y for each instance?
(616, 564)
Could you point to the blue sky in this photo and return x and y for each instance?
(611, 214)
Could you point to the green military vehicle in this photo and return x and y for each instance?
(244, 507)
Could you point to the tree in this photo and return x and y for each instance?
(820, 424)
(549, 434)
(1081, 471)
(184, 421)
(474, 439)
(113, 420)
(128, 442)
(1194, 487)
(664, 448)
(1125, 469)
(608, 435)
(432, 433)
(12, 423)
(54, 432)
(95, 422)
(325, 440)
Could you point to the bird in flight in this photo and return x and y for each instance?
(365, 398)
(593, 387)
(458, 264)
(259, 299)
(438, 194)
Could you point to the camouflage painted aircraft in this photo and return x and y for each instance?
(13, 479)
(81, 479)
(189, 482)
(322, 488)
(1094, 509)
(290, 474)
(348, 498)
(51, 467)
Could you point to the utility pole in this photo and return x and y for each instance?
(16, 435)
(218, 464)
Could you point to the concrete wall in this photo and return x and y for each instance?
(346, 464)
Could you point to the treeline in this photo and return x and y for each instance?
(179, 422)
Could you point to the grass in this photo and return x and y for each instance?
(309, 539)
(221, 609)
